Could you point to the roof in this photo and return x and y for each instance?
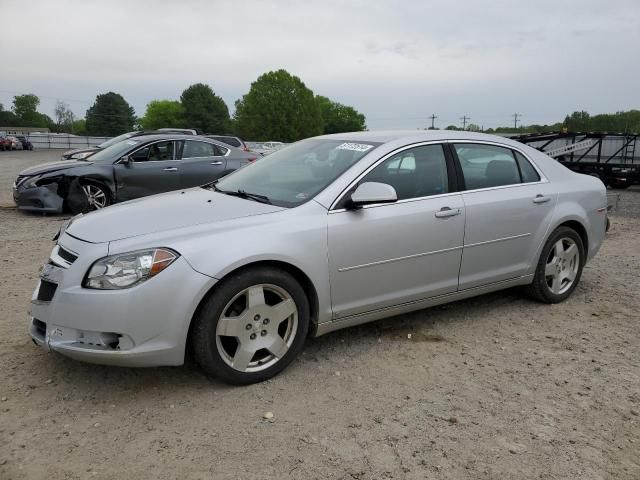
(385, 136)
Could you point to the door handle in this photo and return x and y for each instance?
(447, 212)
(216, 163)
(171, 169)
(541, 199)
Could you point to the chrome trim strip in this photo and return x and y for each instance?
(378, 162)
(522, 235)
(542, 180)
(407, 257)
(405, 200)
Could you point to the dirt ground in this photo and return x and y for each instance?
(494, 387)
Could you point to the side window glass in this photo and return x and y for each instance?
(529, 173)
(155, 152)
(194, 149)
(416, 172)
(485, 166)
(219, 151)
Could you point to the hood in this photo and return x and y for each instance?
(53, 167)
(68, 153)
(164, 212)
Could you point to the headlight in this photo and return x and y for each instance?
(128, 269)
(29, 182)
(81, 155)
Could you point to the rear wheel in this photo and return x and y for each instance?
(559, 267)
(251, 327)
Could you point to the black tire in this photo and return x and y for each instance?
(619, 185)
(203, 336)
(76, 200)
(540, 289)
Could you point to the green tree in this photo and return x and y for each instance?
(110, 115)
(25, 108)
(204, 110)
(162, 114)
(7, 118)
(578, 121)
(338, 118)
(452, 127)
(278, 107)
(79, 127)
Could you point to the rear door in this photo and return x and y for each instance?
(509, 207)
(153, 169)
(202, 162)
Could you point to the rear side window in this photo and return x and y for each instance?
(220, 151)
(529, 173)
(485, 166)
(197, 149)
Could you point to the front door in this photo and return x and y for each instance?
(201, 163)
(509, 209)
(152, 169)
(388, 254)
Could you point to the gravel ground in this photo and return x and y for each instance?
(493, 387)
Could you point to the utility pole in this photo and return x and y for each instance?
(464, 119)
(433, 119)
(516, 116)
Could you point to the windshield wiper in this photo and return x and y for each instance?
(243, 194)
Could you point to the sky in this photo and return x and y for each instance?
(398, 62)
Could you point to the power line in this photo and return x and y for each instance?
(464, 119)
(433, 119)
(516, 116)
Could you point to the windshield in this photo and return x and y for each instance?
(297, 173)
(117, 139)
(114, 152)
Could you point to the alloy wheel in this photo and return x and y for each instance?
(95, 196)
(257, 328)
(562, 266)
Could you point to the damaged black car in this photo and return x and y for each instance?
(133, 168)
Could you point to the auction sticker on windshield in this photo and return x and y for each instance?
(356, 147)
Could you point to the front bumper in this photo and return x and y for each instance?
(39, 199)
(142, 326)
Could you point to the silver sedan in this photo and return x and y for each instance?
(324, 234)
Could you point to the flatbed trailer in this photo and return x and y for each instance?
(617, 167)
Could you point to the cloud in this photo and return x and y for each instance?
(396, 62)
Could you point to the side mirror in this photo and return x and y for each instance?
(127, 160)
(372, 192)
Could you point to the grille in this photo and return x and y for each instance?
(46, 291)
(66, 255)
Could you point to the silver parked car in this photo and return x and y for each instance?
(326, 233)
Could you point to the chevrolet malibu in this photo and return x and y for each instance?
(324, 234)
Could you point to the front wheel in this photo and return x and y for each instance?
(251, 327)
(559, 267)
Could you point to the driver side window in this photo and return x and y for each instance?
(155, 152)
(414, 173)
